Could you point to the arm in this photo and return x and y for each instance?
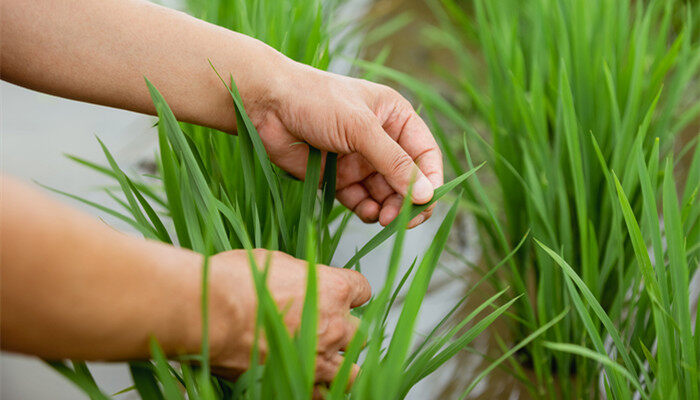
(100, 50)
(74, 288)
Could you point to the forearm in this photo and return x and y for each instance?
(74, 288)
(99, 51)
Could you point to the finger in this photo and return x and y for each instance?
(378, 187)
(368, 210)
(226, 373)
(357, 199)
(354, 371)
(413, 135)
(328, 365)
(319, 392)
(430, 163)
(422, 217)
(419, 219)
(338, 333)
(352, 195)
(359, 289)
(332, 334)
(389, 159)
(390, 209)
(352, 168)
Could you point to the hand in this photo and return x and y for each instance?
(234, 301)
(107, 294)
(381, 141)
(376, 132)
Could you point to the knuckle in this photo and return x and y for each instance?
(400, 108)
(390, 92)
(403, 104)
(323, 369)
(400, 163)
(292, 320)
(335, 332)
(365, 121)
(326, 367)
(365, 290)
(342, 288)
(387, 92)
(260, 256)
(259, 252)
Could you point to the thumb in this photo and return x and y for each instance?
(392, 161)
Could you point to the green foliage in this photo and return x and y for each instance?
(300, 29)
(210, 222)
(221, 192)
(573, 91)
(671, 370)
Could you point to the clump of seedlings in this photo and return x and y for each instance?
(194, 204)
(578, 103)
(210, 214)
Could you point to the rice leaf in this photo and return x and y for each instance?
(145, 380)
(307, 336)
(308, 200)
(85, 383)
(171, 389)
(390, 229)
(512, 351)
(400, 342)
(585, 352)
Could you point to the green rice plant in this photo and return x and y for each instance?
(300, 29)
(210, 222)
(571, 87)
(214, 192)
(668, 367)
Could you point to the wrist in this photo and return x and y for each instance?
(231, 306)
(176, 318)
(261, 76)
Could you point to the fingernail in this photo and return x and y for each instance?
(422, 190)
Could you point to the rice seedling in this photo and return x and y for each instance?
(655, 356)
(299, 29)
(209, 221)
(573, 91)
(215, 192)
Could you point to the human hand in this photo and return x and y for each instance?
(107, 293)
(375, 131)
(381, 141)
(233, 308)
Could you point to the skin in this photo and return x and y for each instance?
(74, 288)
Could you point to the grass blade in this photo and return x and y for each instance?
(389, 230)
